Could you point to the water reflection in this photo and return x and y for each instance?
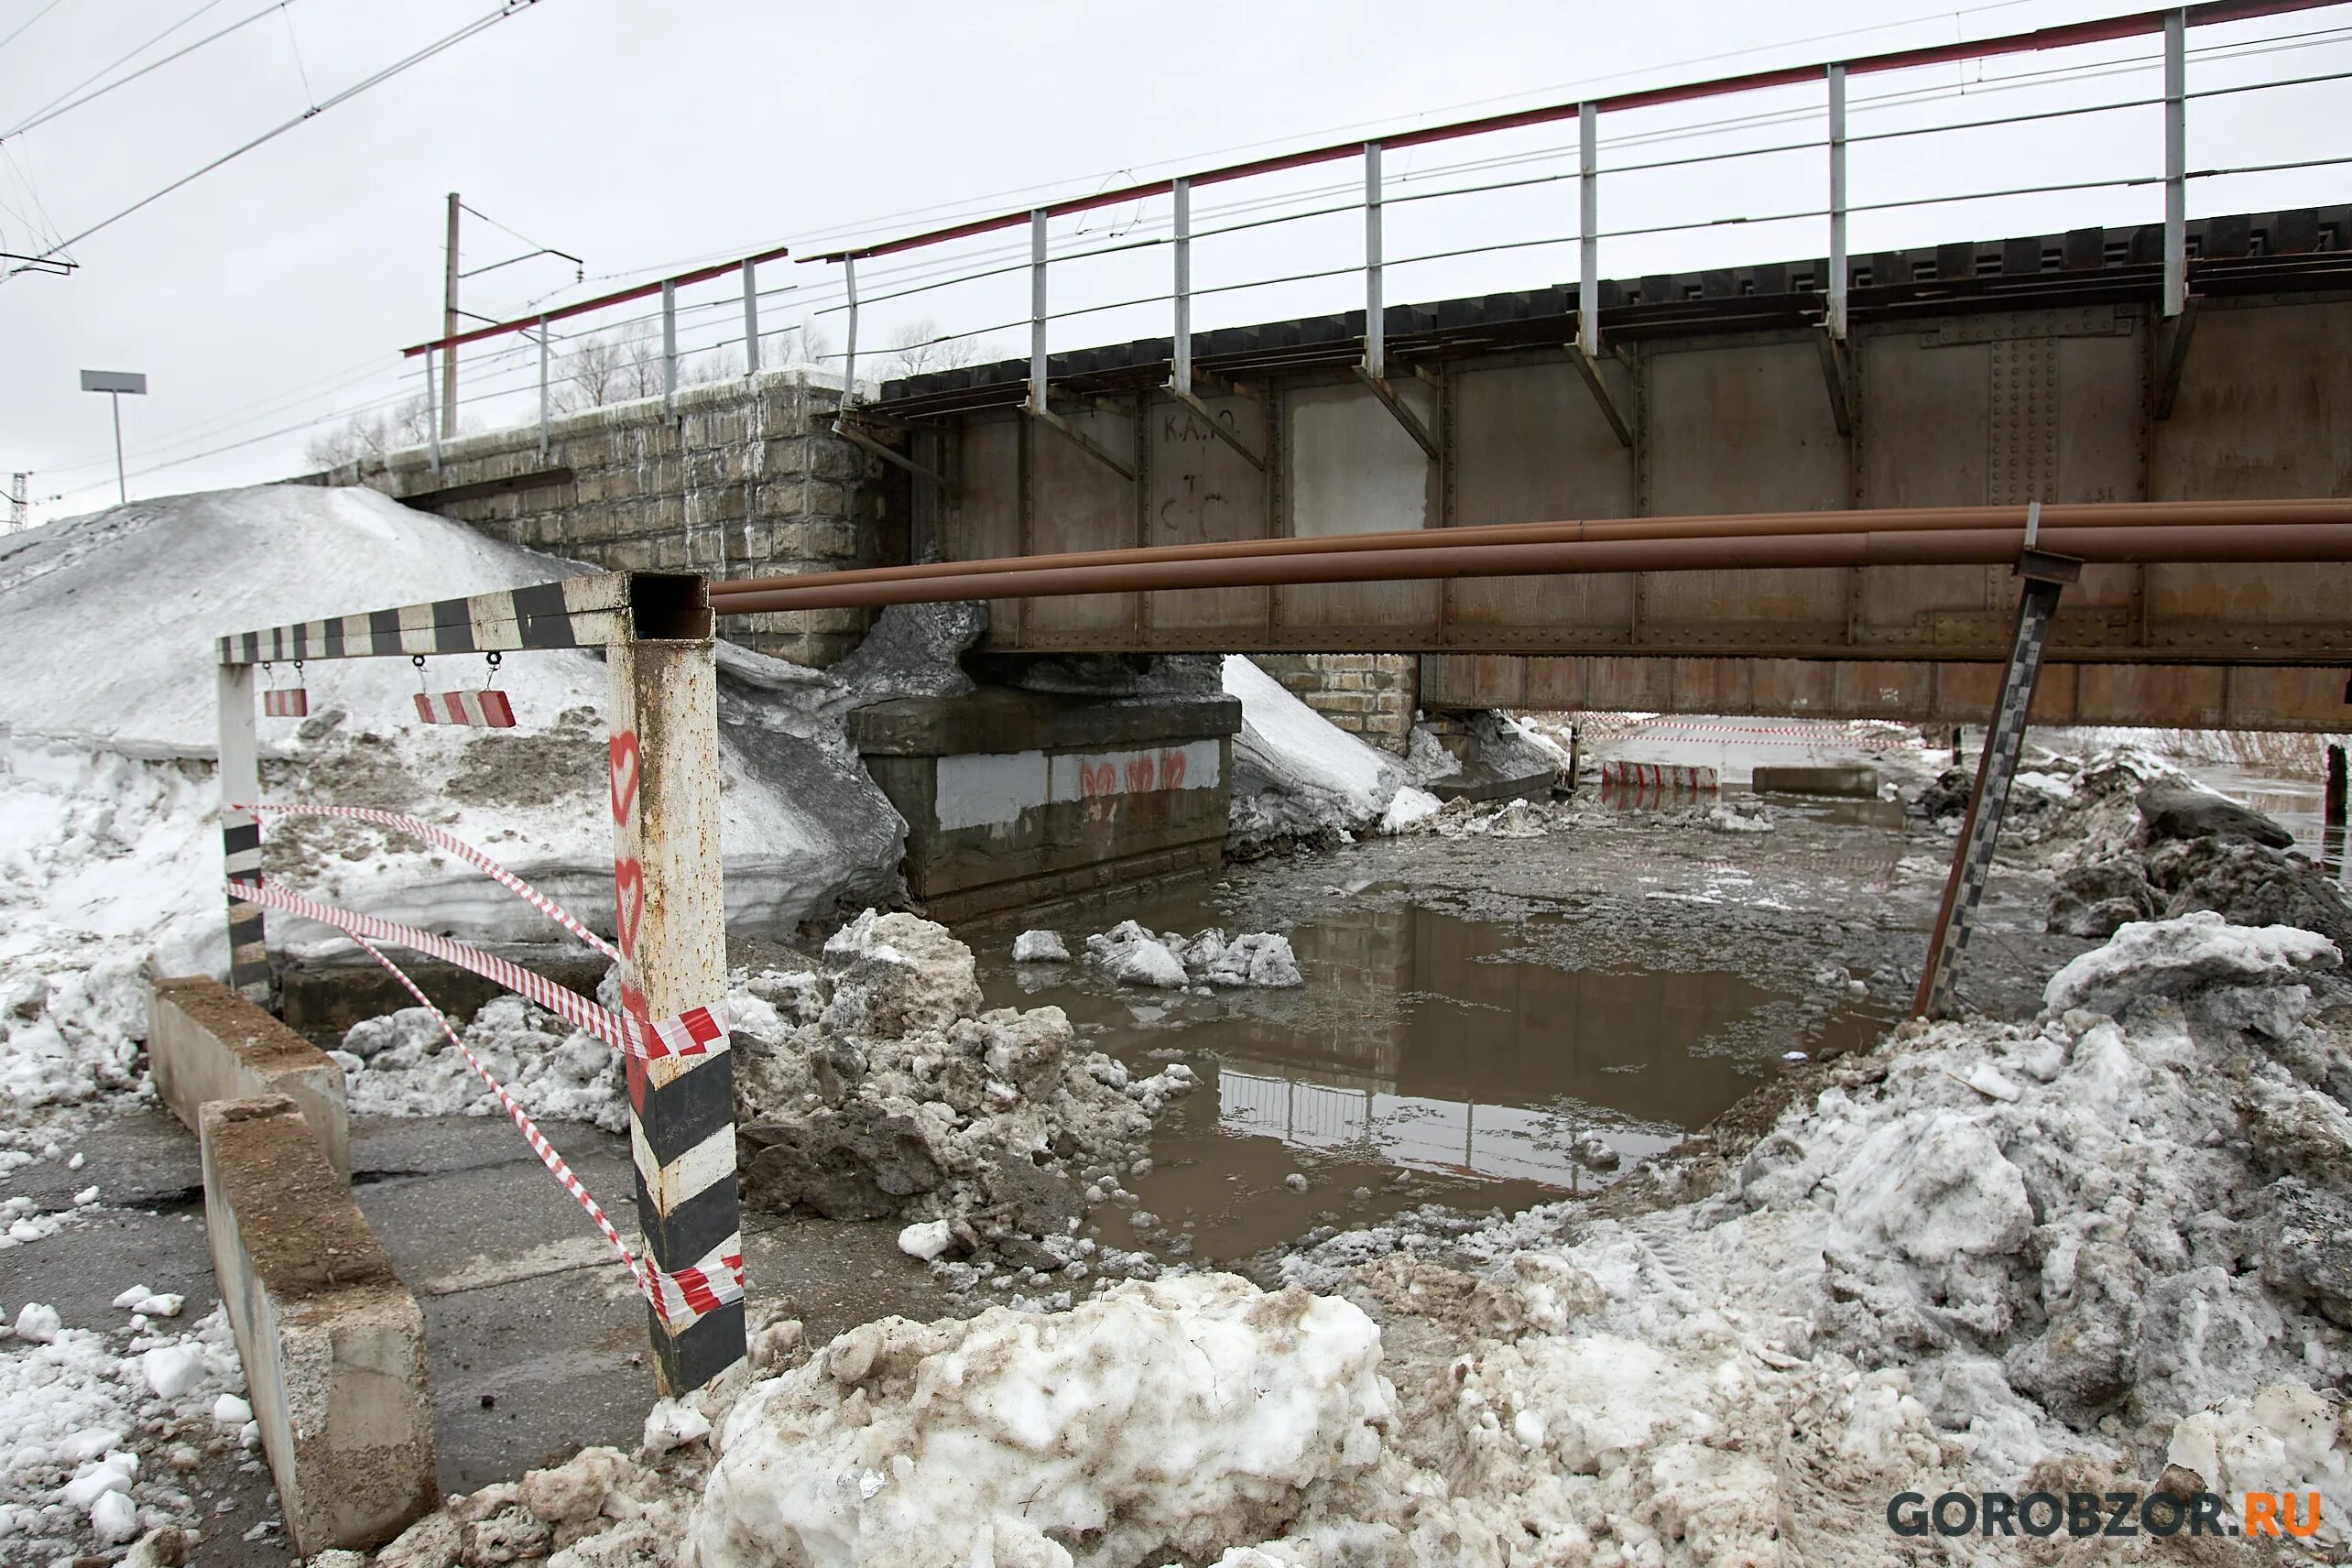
(1425, 1042)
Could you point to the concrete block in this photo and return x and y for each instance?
(1851, 781)
(334, 1344)
(205, 1042)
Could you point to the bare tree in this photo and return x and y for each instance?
(722, 363)
(591, 373)
(364, 437)
(640, 371)
(919, 348)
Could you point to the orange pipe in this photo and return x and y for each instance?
(2107, 513)
(1048, 577)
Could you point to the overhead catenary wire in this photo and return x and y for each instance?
(58, 107)
(447, 42)
(943, 271)
(25, 26)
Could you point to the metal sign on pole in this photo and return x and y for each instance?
(114, 383)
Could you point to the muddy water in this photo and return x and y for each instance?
(1429, 1057)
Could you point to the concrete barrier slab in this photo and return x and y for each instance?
(1846, 780)
(334, 1344)
(205, 1042)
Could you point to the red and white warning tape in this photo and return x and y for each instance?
(690, 1293)
(1816, 728)
(459, 847)
(486, 709)
(696, 1032)
(1655, 776)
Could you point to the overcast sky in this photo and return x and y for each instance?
(644, 137)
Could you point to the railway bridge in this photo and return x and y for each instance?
(2033, 369)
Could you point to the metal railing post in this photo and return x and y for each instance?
(1182, 347)
(432, 414)
(1376, 346)
(849, 360)
(546, 411)
(2176, 162)
(1837, 270)
(239, 774)
(670, 924)
(1037, 309)
(1588, 223)
(668, 347)
(750, 317)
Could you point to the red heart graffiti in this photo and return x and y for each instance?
(1171, 770)
(623, 749)
(1139, 774)
(629, 901)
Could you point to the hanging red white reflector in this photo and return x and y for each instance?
(487, 709)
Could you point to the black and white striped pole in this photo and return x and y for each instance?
(670, 917)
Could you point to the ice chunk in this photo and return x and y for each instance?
(926, 1240)
(1040, 947)
(231, 1410)
(673, 1423)
(95, 1481)
(1407, 810)
(38, 1321)
(115, 1517)
(172, 1369)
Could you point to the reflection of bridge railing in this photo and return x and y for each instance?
(1496, 1142)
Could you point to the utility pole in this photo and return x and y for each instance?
(16, 500)
(449, 330)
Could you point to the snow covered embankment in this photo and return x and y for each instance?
(106, 802)
(882, 1089)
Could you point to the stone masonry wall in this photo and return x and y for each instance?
(1368, 695)
(745, 479)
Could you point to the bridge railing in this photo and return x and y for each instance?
(2106, 116)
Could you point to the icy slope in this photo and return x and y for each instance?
(107, 727)
(1295, 772)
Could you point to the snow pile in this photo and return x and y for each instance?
(2057, 1256)
(106, 802)
(1744, 814)
(881, 1089)
(1168, 961)
(1296, 774)
(1176, 1418)
(402, 1065)
(2134, 839)
(1465, 818)
(2172, 958)
(1407, 810)
(101, 1426)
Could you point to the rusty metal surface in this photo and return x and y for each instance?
(2169, 696)
(1960, 403)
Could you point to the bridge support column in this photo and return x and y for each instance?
(2045, 575)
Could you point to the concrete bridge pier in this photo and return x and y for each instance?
(1018, 799)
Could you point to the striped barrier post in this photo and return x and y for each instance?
(663, 789)
(240, 779)
(670, 920)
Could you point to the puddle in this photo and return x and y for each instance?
(1429, 1057)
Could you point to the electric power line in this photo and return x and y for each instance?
(447, 42)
